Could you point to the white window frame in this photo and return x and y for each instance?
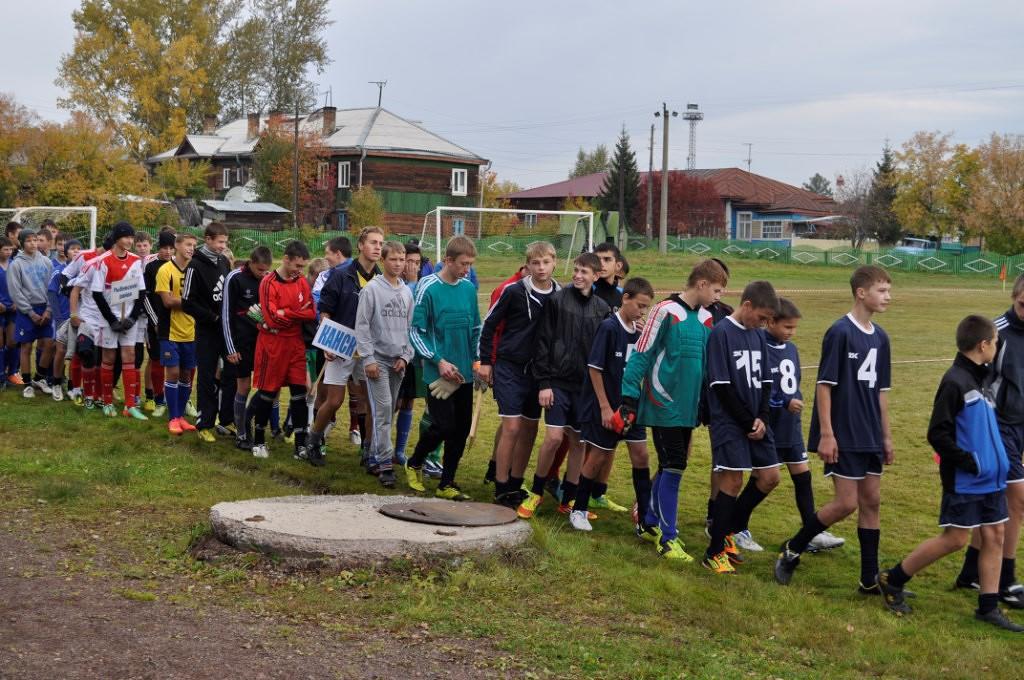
(225, 178)
(344, 174)
(744, 219)
(321, 174)
(530, 220)
(765, 225)
(460, 181)
(238, 174)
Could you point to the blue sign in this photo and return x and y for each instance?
(334, 338)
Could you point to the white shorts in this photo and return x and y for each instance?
(108, 339)
(338, 372)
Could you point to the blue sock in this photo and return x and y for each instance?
(403, 425)
(171, 394)
(184, 392)
(665, 499)
(13, 360)
(275, 417)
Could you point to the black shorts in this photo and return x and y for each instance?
(743, 455)
(407, 390)
(856, 465)
(152, 344)
(515, 390)
(791, 455)
(598, 436)
(563, 413)
(1013, 441)
(244, 367)
(970, 510)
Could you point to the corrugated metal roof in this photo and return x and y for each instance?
(240, 206)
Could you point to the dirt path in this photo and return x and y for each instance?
(54, 626)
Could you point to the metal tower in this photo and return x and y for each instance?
(693, 115)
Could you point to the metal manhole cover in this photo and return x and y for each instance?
(451, 513)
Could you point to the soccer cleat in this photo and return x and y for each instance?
(174, 427)
(109, 411)
(432, 469)
(57, 393)
(489, 477)
(707, 527)
(29, 392)
(553, 487)
(300, 453)
(260, 451)
(718, 564)
(186, 426)
(42, 386)
(190, 410)
(892, 596)
(998, 618)
(355, 438)
(825, 541)
(785, 565)
(528, 508)
(606, 503)
(315, 450)
(414, 478)
(1013, 596)
(509, 500)
(15, 379)
(160, 411)
(206, 436)
(871, 589)
(451, 493)
(732, 550)
(966, 584)
(634, 513)
(745, 541)
(89, 404)
(673, 550)
(387, 479)
(149, 406)
(578, 520)
(650, 534)
(134, 412)
(566, 508)
(226, 430)
(77, 398)
(243, 443)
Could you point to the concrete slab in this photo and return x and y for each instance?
(349, 529)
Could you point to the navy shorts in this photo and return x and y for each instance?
(7, 318)
(25, 330)
(791, 455)
(598, 436)
(1013, 441)
(178, 354)
(856, 465)
(969, 510)
(407, 390)
(742, 454)
(563, 413)
(515, 390)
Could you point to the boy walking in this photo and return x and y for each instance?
(973, 466)
(850, 425)
(382, 340)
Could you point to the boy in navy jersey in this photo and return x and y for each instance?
(601, 397)
(973, 466)
(850, 425)
(738, 401)
(787, 405)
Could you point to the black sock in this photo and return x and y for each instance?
(491, 468)
(868, 554)
(1008, 575)
(149, 393)
(599, 489)
(26, 378)
(583, 493)
(749, 498)
(711, 509)
(804, 495)
(39, 377)
(500, 488)
(987, 602)
(722, 511)
(568, 491)
(259, 436)
(642, 489)
(898, 577)
(538, 485)
(514, 484)
(969, 570)
(808, 531)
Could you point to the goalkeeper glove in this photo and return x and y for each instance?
(625, 416)
(442, 389)
(255, 314)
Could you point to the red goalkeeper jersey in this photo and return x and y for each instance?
(285, 305)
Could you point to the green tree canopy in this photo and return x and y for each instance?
(622, 169)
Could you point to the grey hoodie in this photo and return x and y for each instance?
(382, 321)
(27, 278)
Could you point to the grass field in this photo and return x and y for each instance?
(569, 605)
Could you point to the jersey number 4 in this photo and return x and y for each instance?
(867, 372)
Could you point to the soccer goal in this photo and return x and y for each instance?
(74, 221)
(506, 231)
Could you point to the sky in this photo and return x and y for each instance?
(814, 87)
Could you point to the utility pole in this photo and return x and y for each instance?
(750, 147)
(295, 169)
(380, 89)
(663, 222)
(649, 228)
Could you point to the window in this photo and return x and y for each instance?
(771, 229)
(225, 178)
(458, 226)
(743, 223)
(530, 220)
(459, 182)
(344, 174)
(322, 168)
(238, 175)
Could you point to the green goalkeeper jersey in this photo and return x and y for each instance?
(445, 325)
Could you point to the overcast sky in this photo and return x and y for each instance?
(814, 86)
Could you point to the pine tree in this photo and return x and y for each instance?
(622, 168)
(819, 184)
(883, 224)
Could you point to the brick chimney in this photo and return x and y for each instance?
(329, 114)
(253, 130)
(209, 124)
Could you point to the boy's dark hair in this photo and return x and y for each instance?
(787, 310)
(261, 255)
(48, 224)
(412, 248)
(709, 270)
(588, 260)
(972, 330)
(296, 249)
(6, 242)
(760, 295)
(606, 247)
(638, 286)
(867, 276)
(625, 264)
(340, 244)
(141, 237)
(215, 229)
(11, 227)
(60, 236)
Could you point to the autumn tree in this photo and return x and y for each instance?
(291, 37)
(495, 192)
(997, 198)
(819, 184)
(622, 169)
(273, 168)
(182, 178)
(589, 162)
(852, 195)
(365, 208)
(694, 206)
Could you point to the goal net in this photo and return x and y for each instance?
(504, 233)
(73, 221)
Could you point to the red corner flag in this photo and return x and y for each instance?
(1002, 273)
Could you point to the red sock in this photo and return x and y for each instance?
(107, 383)
(131, 386)
(156, 376)
(560, 455)
(89, 382)
(76, 371)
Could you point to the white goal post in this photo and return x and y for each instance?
(439, 211)
(33, 216)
